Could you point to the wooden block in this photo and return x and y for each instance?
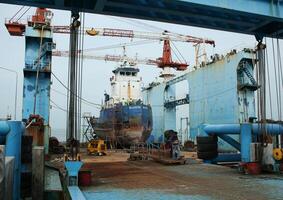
(38, 172)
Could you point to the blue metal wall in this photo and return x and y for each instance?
(32, 37)
(37, 56)
(214, 97)
(162, 118)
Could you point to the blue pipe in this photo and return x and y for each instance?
(246, 130)
(246, 140)
(220, 129)
(4, 130)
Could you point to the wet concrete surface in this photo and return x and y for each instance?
(113, 177)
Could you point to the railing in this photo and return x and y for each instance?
(178, 102)
(34, 64)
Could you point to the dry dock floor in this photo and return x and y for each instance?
(113, 177)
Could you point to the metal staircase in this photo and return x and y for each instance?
(249, 75)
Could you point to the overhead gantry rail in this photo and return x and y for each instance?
(256, 17)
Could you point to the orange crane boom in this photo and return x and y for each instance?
(165, 35)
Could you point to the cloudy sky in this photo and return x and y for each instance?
(96, 74)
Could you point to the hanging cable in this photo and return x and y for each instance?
(87, 101)
(137, 23)
(140, 42)
(269, 85)
(280, 73)
(280, 61)
(176, 55)
(275, 75)
(179, 52)
(24, 13)
(56, 105)
(16, 13)
(280, 79)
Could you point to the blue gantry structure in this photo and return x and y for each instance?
(256, 17)
(221, 92)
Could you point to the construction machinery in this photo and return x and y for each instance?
(96, 147)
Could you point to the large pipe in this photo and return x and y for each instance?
(4, 130)
(220, 129)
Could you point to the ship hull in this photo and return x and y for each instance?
(124, 124)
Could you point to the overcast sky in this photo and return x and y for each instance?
(96, 74)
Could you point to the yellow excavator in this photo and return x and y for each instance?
(96, 147)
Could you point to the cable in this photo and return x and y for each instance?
(73, 93)
(85, 103)
(176, 55)
(17, 13)
(279, 60)
(269, 85)
(23, 13)
(179, 52)
(140, 42)
(137, 23)
(275, 74)
(56, 105)
(280, 77)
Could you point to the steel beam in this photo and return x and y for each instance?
(255, 17)
(38, 173)
(75, 193)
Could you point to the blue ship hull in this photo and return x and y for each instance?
(124, 124)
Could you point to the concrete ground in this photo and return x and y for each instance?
(116, 178)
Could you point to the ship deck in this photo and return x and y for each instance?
(114, 177)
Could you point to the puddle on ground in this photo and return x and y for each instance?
(141, 194)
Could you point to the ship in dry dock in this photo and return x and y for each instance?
(124, 119)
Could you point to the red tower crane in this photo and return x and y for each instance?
(16, 27)
(166, 36)
(43, 16)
